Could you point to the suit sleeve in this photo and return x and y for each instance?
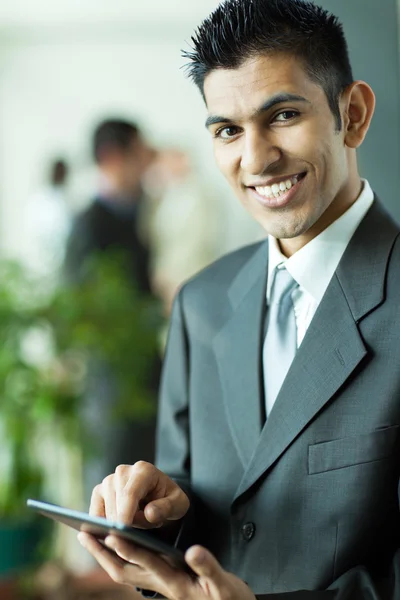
(173, 435)
(173, 443)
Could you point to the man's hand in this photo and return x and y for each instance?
(139, 495)
(146, 570)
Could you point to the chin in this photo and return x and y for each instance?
(289, 226)
(284, 232)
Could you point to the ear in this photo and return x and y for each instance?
(359, 106)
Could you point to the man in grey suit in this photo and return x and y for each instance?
(278, 445)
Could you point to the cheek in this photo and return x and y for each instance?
(309, 142)
(227, 162)
(326, 149)
(332, 162)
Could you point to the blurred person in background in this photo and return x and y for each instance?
(183, 228)
(112, 220)
(47, 223)
(111, 226)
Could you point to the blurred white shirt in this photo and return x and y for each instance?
(45, 227)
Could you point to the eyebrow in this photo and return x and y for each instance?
(270, 103)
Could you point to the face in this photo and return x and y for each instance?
(133, 164)
(276, 142)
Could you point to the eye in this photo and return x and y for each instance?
(286, 115)
(226, 132)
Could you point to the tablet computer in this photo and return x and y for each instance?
(100, 528)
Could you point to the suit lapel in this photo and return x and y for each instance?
(332, 347)
(330, 351)
(238, 350)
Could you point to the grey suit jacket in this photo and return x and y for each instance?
(308, 500)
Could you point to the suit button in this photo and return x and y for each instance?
(248, 531)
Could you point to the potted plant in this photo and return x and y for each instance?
(47, 341)
(27, 400)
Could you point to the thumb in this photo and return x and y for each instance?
(170, 508)
(204, 564)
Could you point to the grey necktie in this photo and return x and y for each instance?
(280, 343)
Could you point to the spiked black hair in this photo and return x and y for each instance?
(241, 29)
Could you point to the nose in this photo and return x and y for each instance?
(258, 153)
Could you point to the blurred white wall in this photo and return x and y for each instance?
(64, 65)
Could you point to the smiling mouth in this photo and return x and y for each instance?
(279, 188)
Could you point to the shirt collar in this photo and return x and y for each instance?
(314, 265)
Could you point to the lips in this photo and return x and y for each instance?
(280, 193)
(278, 187)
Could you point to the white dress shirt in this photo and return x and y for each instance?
(314, 265)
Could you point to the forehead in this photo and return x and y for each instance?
(239, 92)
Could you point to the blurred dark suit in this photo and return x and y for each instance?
(103, 227)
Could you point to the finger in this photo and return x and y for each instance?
(144, 482)
(109, 495)
(204, 564)
(130, 491)
(171, 508)
(97, 507)
(139, 556)
(141, 522)
(108, 560)
(145, 559)
(124, 549)
(157, 573)
(119, 569)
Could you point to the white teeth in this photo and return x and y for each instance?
(277, 189)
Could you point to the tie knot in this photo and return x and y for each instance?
(283, 285)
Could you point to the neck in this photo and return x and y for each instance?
(112, 189)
